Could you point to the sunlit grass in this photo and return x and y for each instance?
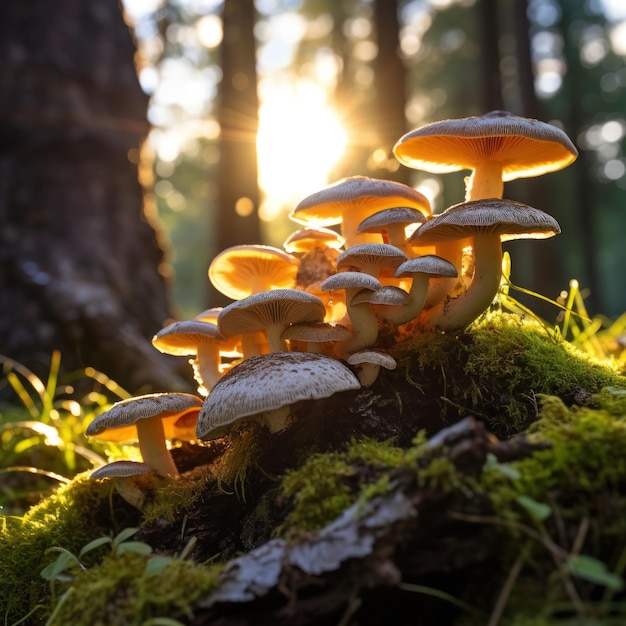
(42, 426)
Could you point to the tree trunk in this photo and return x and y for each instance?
(390, 80)
(79, 259)
(237, 220)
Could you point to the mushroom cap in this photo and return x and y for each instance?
(306, 239)
(388, 295)
(350, 280)
(316, 332)
(120, 469)
(268, 382)
(277, 306)
(326, 207)
(238, 271)
(379, 221)
(430, 264)
(383, 256)
(175, 409)
(524, 147)
(507, 218)
(376, 357)
(209, 315)
(183, 338)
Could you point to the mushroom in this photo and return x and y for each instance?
(421, 269)
(369, 363)
(497, 147)
(375, 259)
(314, 335)
(121, 469)
(362, 318)
(306, 239)
(488, 222)
(350, 200)
(240, 271)
(392, 225)
(387, 302)
(270, 312)
(150, 419)
(264, 388)
(195, 338)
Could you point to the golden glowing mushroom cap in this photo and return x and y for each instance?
(183, 338)
(506, 218)
(240, 271)
(306, 239)
(356, 193)
(268, 382)
(524, 147)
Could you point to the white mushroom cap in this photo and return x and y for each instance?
(270, 311)
(372, 258)
(120, 469)
(370, 362)
(151, 420)
(350, 200)
(316, 333)
(264, 385)
(392, 224)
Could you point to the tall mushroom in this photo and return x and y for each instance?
(264, 388)
(497, 147)
(488, 222)
(150, 420)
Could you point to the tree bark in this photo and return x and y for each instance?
(79, 258)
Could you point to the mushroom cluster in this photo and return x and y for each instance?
(306, 320)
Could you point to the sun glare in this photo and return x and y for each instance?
(300, 139)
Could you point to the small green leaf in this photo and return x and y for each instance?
(162, 621)
(92, 545)
(123, 535)
(503, 468)
(63, 562)
(592, 570)
(136, 547)
(156, 564)
(539, 511)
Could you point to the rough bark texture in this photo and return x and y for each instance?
(78, 257)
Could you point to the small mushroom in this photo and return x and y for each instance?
(376, 259)
(361, 316)
(315, 335)
(149, 419)
(264, 388)
(369, 363)
(120, 469)
(199, 339)
(392, 224)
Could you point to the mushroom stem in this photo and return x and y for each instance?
(464, 309)
(364, 324)
(274, 339)
(367, 374)
(278, 419)
(153, 448)
(208, 362)
(350, 226)
(485, 181)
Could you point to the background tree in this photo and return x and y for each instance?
(79, 256)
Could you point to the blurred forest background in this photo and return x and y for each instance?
(340, 82)
(247, 107)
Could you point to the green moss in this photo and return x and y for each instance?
(132, 588)
(175, 497)
(73, 516)
(496, 367)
